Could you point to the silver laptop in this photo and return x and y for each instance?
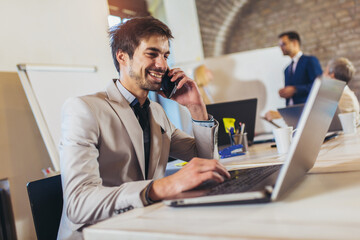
(291, 116)
(269, 183)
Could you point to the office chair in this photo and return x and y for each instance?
(7, 223)
(46, 202)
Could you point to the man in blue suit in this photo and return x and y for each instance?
(302, 71)
(299, 75)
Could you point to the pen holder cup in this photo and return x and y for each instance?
(241, 139)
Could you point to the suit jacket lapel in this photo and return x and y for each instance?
(156, 141)
(128, 118)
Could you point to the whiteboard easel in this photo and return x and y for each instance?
(46, 88)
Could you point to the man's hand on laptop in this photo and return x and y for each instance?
(197, 171)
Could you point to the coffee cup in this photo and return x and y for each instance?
(348, 122)
(283, 137)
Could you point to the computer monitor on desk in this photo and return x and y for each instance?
(243, 111)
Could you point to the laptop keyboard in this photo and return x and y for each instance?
(243, 180)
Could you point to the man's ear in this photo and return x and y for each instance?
(122, 57)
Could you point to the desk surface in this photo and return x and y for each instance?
(325, 205)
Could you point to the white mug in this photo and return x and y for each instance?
(348, 122)
(283, 137)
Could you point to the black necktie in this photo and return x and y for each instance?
(291, 70)
(142, 114)
(290, 80)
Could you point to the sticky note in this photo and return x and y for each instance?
(229, 123)
(181, 164)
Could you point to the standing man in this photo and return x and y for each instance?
(299, 75)
(302, 71)
(115, 144)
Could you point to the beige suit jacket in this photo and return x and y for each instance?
(102, 155)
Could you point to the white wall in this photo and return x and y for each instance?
(181, 17)
(55, 32)
(250, 74)
(23, 153)
(71, 32)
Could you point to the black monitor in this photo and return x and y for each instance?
(243, 111)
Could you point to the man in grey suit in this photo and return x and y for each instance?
(115, 144)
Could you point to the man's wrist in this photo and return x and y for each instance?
(145, 195)
(198, 112)
(206, 123)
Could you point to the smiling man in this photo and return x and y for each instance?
(115, 144)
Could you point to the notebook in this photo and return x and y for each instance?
(243, 111)
(269, 183)
(291, 116)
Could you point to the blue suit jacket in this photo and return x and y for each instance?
(307, 69)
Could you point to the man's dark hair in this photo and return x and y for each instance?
(292, 35)
(127, 36)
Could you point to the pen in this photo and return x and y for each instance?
(242, 128)
(270, 121)
(232, 135)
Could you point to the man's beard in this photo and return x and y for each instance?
(141, 81)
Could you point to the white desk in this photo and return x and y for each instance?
(325, 205)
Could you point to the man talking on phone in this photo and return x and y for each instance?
(115, 144)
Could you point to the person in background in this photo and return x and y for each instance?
(116, 143)
(203, 77)
(302, 71)
(342, 69)
(299, 75)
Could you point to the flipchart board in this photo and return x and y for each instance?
(47, 87)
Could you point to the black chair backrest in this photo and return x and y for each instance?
(46, 201)
(7, 223)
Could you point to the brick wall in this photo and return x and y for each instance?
(328, 28)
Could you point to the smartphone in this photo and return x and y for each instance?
(168, 87)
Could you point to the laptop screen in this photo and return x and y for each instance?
(243, 111)
(291, 116)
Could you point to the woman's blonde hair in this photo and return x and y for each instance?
(202, 76)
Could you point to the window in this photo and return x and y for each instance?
(113, 20)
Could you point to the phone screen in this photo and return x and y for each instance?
(168, 87)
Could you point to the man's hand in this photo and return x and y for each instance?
(287, 92)
(188, 95)
(190, 176)
(270, 115)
